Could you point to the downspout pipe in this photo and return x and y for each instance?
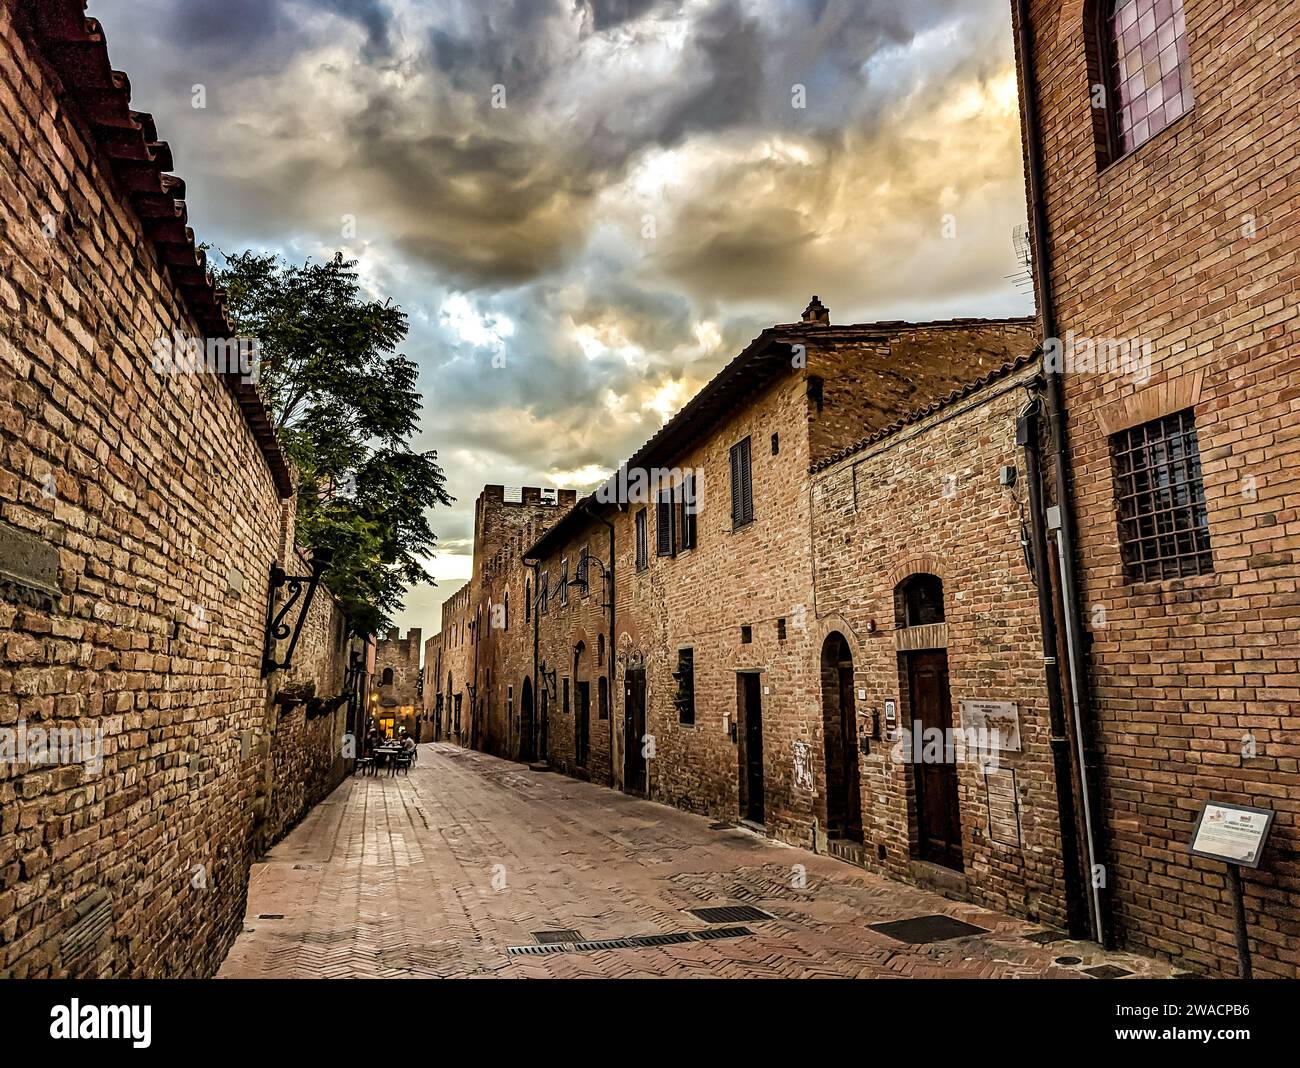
(1076, 906)
(1066, 529)
(609, 644)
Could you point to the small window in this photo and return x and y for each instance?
(642, 542)
(565, 707)
(564, 582)
(922, 597)
(746, 634)
(1164, 526)
(665, 524)
(742, 488)
(1147, 68)
(388, 677)
(600, 648)
(602, 697)
(685, 676)
(776, 444)
(780, 629)
(690, 512)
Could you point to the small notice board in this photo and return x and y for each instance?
(1233, 834)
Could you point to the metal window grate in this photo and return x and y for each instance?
(1164, 527)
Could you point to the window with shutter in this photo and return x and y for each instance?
(742, 486)
(642, 542)
(688, 512)
(564, 582)
(665, 534)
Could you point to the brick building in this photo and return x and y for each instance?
(141, 511)
(452, 668)
(397, 695)
(706, 686)
(1166, 225)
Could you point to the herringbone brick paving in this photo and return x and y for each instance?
(434, 874)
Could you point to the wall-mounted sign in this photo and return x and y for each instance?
(803, 774)
(1001, 719)
(1003, 805)
(891, 712)
(1233, 834)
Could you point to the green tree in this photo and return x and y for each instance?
(345, 405)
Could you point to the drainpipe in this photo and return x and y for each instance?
(1076, 910)
(1064, 514)
(609, 644)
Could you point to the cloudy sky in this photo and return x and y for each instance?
(586, 207)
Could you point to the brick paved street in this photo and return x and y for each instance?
(403, 877)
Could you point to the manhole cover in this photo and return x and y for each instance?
(551, 938)
(1068, 961)
(922, 929)
(730, 914)
(271, 916)
(1107, 971)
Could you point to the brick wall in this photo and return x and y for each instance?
(1190, 242)
(927, 499)
(139, 516)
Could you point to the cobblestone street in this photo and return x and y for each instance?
(440, 873)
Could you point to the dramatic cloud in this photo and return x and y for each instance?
(588, 206)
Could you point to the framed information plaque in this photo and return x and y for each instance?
(1233, 834)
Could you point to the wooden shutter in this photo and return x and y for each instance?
(664, 539)
(742, 486)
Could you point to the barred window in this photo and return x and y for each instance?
(1164, 527)
(1148, 65)
(685, 676)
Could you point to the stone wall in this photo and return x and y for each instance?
(401, 698)
(1189, 243)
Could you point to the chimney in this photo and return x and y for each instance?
(817, 313)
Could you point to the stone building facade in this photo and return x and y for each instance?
(452, 668)
(141, 511)
(397, 695)
(1170, 219)
(705, 689)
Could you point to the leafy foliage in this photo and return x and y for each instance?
(345, 405)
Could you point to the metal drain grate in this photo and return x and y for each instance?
(1107, 971)
(271, 916)
(549, 938)
(646, 941)
(721, 826)
(722, 932)
(599, 944)
(731, 914)
(1044, 938)
(536, 951)
(920, 930)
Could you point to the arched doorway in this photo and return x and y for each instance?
(923, 670)
(840, 730)
(581, 708)
(526, 721)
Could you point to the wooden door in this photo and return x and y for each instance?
(938, 815)
(634, 773)
(751, 750)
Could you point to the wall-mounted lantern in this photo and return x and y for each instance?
(278, 626)
(549, 679)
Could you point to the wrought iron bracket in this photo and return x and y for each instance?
(278, 627)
